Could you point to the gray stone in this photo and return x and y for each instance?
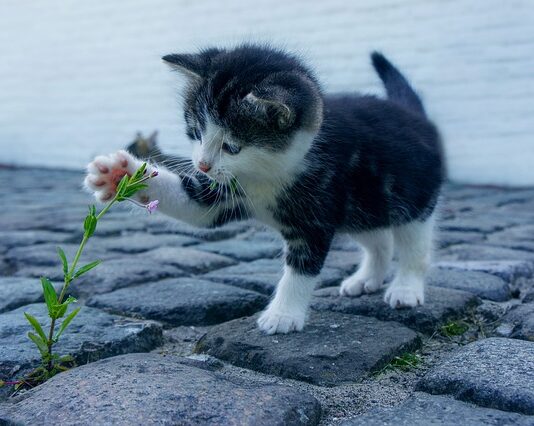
(141, 242)
(332, 349)
(265, 282)
(508, 270)
(475, 223)
(425, 410)
(484, 285)
(520, 322)
(20, 291)
(182, 301)
(484, 252)
(512, 244)
(347, 261)
(449, 238)
(496, 373)
(242, 249)
(518, 233)
(46, 254)
(152, 389)
(441, 305)
(227, 231)
(11, 239)
(115, 274)
(188, 259)
(92, 335)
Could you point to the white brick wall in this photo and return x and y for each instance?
(80, 78)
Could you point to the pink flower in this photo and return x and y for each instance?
(154, 173)
(152, 206)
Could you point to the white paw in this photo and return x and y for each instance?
(404, 296)
(106, 171)
(357, 284)
(273, 321)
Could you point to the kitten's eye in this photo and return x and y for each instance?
(196, 134)
(231, 149)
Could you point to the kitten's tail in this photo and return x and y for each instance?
(397, 87)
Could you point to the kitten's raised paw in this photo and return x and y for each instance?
(271, 322)
(402, 296)
(105, 172)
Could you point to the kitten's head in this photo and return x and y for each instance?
(251, 111)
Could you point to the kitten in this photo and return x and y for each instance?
(307, 164)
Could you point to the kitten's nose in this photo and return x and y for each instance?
(204, 167)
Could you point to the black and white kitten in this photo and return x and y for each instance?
(308, 164)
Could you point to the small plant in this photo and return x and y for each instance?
(406, 361)
(57, 305)
(454, 328)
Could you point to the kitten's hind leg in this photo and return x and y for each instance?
(413, 244)
(377, 253)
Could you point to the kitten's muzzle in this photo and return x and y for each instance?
(204, 167)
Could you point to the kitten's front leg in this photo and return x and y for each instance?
(177, 195)
(288, 309)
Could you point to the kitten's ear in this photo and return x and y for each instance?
(189, 65)
(193, 66)
(153, 138)
(271, 110)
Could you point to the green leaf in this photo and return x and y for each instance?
(138, 173)
(122, 184)
(132, 189)
(89, 225)
(60, 308)
(42, 346)
(63, 258)
(86, 268)
(213, 184)
(35, 324)
(50, 295)
(66, 322)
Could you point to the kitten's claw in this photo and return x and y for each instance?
(403, 296)
(272, 322)
(105, 172)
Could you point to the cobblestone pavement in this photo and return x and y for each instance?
(167, 334)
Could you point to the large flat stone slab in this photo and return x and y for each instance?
(496, 373)
(17, 292)
(484, 285)
(423, 410)
(92, 335)
(243, 249)
(332, 349)
(188, 259)
(262, 275)
(151, 389)
(441, 305)
(115, 274)
(182, 301)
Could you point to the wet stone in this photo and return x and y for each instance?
(495, 373)
(17, 292)
(242, 249)
(332, 349)
(484, 252)
(92, 335)
(484, 285)
(182, 301)
(441, 305)
(422, 410)
(115, 274)
(152, 389)
(188, 259)
(519, 322)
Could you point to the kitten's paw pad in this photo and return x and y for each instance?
(105, 172)
(272, 322)
(404, 297)
(354, 286)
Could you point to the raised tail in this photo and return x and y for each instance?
(397, 87)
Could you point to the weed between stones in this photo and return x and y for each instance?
(57, 306)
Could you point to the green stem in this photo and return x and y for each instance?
(68, 279)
